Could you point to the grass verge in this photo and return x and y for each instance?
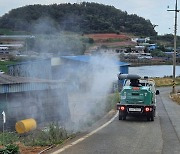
(112, 100)
(4, 64)
(166, 81)
(52, 135)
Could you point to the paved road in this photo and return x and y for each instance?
(136, 135)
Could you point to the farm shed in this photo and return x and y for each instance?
(44, 100)
(36, 69)
(55, 68)
(39, 88)
(84, 59)
(76, 63)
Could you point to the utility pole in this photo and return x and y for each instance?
(174, 55)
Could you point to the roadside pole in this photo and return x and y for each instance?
(174, 55)
(4, 121)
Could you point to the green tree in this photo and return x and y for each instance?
(157, 53)
(85, 17)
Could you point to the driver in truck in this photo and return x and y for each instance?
(135, 83)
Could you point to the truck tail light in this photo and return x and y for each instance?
(122, 108)
(147, 109)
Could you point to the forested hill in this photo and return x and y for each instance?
(84, 17)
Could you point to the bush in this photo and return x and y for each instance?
(56, 134)
(176, 97)
(157, 53)
(52, 135)
(112, 100)
(9, 138)
(10, 149)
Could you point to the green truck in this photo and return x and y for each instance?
(137, 97)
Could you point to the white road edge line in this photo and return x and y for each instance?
(84, 137)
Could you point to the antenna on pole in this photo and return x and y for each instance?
(174, 56)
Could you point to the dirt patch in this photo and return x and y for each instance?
(28, 149)
(176, 97)
(105, 37)
(118, 44)
(111, 40)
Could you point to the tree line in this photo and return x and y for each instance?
(85, 17)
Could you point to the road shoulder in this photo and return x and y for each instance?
(173, 110)
(81, 135)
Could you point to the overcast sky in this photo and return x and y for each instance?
(154, 10)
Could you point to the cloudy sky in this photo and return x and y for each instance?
(154, 10)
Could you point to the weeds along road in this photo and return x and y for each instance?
(136, 135)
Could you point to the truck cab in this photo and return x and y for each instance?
(137, 97)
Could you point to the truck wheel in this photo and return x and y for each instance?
(120, 117)
(152, 116)
(124, 117)
(148, 118)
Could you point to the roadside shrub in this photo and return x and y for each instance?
(36, 138)
(112, 100)
(56, 134)
(10, 149)
(52, 135)
(176, 97)
(9, 138)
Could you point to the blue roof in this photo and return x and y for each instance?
(82, 58)
(86, 59)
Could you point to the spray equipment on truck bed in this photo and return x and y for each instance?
(128, 76)
(138, 97)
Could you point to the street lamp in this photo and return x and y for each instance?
(174, 55)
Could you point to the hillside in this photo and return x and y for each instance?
(112, 40)
(85, 18)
